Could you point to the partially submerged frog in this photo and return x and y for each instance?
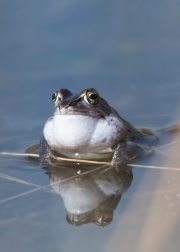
(84, 126)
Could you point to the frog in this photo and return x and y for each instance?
(84, 126)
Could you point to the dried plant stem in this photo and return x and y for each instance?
(58, 158)
(82, 161)
(91, 162)
(155, 167)
(19, 154)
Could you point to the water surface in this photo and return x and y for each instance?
(129, 52)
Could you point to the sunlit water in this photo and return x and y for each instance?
(128, 51)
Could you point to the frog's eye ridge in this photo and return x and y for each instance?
(92, 97)
(54, 97)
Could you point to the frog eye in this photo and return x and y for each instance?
(55, 97)
(92, 97)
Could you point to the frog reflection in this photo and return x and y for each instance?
(92, 197)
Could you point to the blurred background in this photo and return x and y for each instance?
(130, 52)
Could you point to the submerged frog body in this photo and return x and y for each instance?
(84, 126)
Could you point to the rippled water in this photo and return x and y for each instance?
(128, 51)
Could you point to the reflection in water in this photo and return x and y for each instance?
(92, 197)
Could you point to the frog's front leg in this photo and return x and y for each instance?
(127, 152)
(44, 151)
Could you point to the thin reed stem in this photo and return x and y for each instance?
(91, 162)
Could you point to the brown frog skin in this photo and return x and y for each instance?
(85, 126)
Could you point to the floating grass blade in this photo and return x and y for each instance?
(58, 158)
(91, 162)
(19, 154)
(155, 167)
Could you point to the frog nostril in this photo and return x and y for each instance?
(65, 104)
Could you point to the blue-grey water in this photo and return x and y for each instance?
(130, 52)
